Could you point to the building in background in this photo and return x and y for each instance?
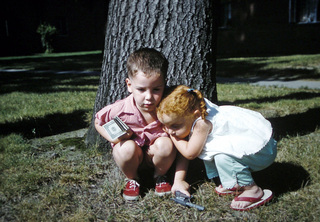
(273, 27)
(246, 27)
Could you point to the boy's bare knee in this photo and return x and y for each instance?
(126, 150)
(164, 146)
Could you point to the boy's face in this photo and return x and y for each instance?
(147, 91)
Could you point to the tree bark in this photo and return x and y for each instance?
(184, 31)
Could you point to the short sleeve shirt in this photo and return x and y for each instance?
(126, 109)
(235, 131)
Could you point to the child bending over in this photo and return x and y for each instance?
(146, 144)
(231, 141)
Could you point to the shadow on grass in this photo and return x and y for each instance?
(195, 176)
(282, 178)
(279, 177)
(46, 82)
(245, 69)
(59, 62)
(47, 126)
(295, 96)
(296, 124)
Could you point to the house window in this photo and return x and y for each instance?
(225, 15)
(304, 11)
(61, 24)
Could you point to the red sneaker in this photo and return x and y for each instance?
(132, 190)
(162, 186)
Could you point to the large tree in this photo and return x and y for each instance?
(183, 30)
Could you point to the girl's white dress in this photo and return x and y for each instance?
(235, 131)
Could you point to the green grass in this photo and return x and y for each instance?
(288, 67)
(271, 101)
(89, 61)
(47, 179)
(284, 67)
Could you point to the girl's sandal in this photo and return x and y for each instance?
(255, 202)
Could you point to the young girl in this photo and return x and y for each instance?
(232, 142)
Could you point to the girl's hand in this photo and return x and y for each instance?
(181, 186)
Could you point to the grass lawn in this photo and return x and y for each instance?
(62, 180)
(55, 61)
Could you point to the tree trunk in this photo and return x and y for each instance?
(184, 31)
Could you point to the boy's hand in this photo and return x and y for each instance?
(104, 134)
(123, 137)
(126, 136)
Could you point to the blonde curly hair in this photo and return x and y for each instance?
(182, 101)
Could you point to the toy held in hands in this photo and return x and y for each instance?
(116, 128)
(184, 200)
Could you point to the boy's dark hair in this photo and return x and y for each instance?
(149, 61)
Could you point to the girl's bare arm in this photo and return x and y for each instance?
(179, 183)
(192, 148)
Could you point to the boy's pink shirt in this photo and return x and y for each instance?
(126, 110)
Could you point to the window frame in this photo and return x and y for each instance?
(225, 15)
(295, 10)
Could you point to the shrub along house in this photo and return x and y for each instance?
(255, 27)
(80, 25)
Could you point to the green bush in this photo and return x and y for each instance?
(47, 33)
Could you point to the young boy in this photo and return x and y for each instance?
(146, 144)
